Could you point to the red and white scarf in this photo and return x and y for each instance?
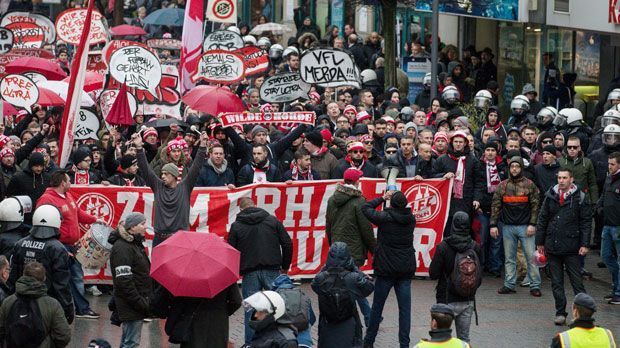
(298, 174)
(81, 177)
(320, 151)
(459, 175)
(493, 178)
(352, 163)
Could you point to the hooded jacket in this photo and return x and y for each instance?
(346, 223)
(30, 184)
(394, 254)
(584, 174)
(610, 201)
(71, 215)
(254, 226)
(57, 330)
(546, 177)
(130, 274)
(42, 245)
(564, 228)
(282, 284)
(442, 265)
(516, 200)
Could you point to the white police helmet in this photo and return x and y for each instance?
(266, 301)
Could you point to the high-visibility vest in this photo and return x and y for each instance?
(451, 343)
(579, 337)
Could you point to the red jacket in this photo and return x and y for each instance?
(71, 215)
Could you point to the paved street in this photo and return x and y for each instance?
(503, 318)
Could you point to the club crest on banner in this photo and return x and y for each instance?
(97, 205)
(425, 201)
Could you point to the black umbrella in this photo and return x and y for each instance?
(166, 123)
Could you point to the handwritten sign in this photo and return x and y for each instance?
(96, 64)
(329, 68)
(33, 52)
(87, 125)
(280, 118)
(19, 90)
(36, 77)
(256, 60)
(70, 23)
(222, 40)
(107, 98)
(115, 45)
(136, 66)
(284, 88)
(219, 66)
(26, 17)
(164, 44)
(27, 35)
(6, 40)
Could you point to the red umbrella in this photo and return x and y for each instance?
(127, 30)
(120, 113)
(45, 67)
(8, 109)
(47, 97)
(93, 81)
(213, 100)
(195, 264)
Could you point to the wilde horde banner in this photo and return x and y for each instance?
(300, 206)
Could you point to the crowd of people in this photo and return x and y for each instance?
(533, 192)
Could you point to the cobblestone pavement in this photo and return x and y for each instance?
(517, 318)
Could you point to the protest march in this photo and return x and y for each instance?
(169, 171)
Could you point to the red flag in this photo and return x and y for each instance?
(191, 41)
(120, 113)
(74, 94)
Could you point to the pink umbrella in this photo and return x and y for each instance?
(195, 264)
(8, 109)
(127, 30)
(213, 100)
(93, 81)
(48, 68)
(49, 98)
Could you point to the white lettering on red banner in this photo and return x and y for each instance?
(281, 118)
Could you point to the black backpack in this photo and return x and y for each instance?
(25, 324)
(466, 276)
(296, 308)
(336, 304)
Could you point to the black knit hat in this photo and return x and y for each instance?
(551, 149)
(490, 144)
(315, 138)
(36, 159)
(80, 154)
(398, 200)
(128, 161)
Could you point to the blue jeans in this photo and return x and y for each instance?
(512, 235)
(364, 306)
(132, 331)
(252, 283)
(402, 288)
(77, 282)
(462, 318)
(492, 248)
(610, 244)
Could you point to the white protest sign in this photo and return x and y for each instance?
(19, 90)
(107, 98)
(6, 40)
(27, 35)
(219, 66)
(70, 23)
(284, 88)
(222, 40)
(36, 77)
(329, 68)
(86, 125)
(26, 17)
(136, 66)
(223, 11)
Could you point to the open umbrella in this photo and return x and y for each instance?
(195, 264)
(8, 109)
(166, 122)
(172, 17)
(213, 100)
(127, 30)
(120, 112)
(49, 98)
(61, 88)
(274, 28)
(93, 81)
(50, 69)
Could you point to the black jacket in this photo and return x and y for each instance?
(9, 238)
(120, 179)
(45, 248)
(422, 168)
(269, 334)
(130, 273)
(29, 184)
(474, 179)
(486, 196)
(610, 201)
(369, 170)
(563, 229)
(546, 177)
(243, 149)
(599, 161)
(246, 175)
(394, 254)
(255, 227)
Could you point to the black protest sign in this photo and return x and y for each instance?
(222, 40)
(6, 40)
(220, 66)
(284, 88)
(329, 68)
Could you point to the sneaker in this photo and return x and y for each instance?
(506, 290)
(89, 314)
(615, 300)
(601, 264)
(559, 320)
(608, 297)
(94, 290)
(535, 292)
(525, 284)
(586, 275)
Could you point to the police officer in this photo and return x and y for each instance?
(442, 316)
(583, 332)
(12, 226)
(42, 245)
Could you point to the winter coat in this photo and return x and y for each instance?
(243, 149)
(564, 228)
(515, 202)
(422, 168)
(288, 175)
(208, 177)
(120, 179)
(546, 177)
(246, 174)
(610, 201)
(325, 164)
(369, 170)
(599, 159)
(269, 334)
(473, 186)
(346, 223)
(584, 174)
(9, 238)
(57, 330)
(255, 227)
(202, 322)
(487, 197)
(359, 55)
(94, 177)
(8, 173)
(71, 215)
(29, 184)
(348, 333)
(54, 257)
(130, 274)
(394, 255)
(486, 73)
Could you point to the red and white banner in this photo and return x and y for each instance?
(193, 32)
(287, 119)
(300, 206)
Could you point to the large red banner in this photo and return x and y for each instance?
(300, 206)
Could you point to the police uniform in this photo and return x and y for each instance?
(442, 337)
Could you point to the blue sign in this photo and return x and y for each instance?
(494, 9)
(337, 17)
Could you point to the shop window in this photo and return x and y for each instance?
(561, 6)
